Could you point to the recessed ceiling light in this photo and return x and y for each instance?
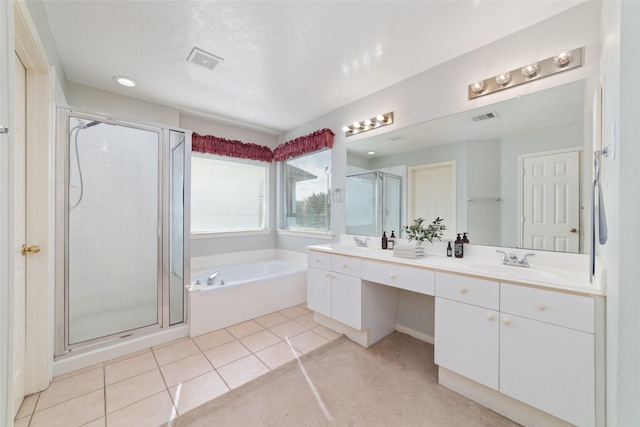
(125, 81)
(371, 153)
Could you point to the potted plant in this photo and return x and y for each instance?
(420, 233)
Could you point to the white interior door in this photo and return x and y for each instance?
(551, 202)
(432, 193)
(19, 230)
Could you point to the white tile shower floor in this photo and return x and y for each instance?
(150, 387)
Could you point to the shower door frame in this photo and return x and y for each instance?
(62, 346)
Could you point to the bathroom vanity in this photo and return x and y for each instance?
(525, 342)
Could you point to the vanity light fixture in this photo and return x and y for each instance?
(563, 61)
(125, 81)
(373, 123)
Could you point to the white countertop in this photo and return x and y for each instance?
(567, 278)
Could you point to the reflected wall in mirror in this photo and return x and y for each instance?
(518, 172)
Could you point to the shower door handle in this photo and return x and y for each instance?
(30, 249)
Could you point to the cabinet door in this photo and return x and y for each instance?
(319, 290)
(346, 300)
(466, 340)
(549, 367)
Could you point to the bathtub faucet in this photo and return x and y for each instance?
(212, 278)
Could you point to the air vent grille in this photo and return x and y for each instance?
(487, 116)
(204, 59)
(397, 138)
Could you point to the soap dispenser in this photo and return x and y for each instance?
(465, 239)
(391, 241)
(459, 247)
(384, 240)
(449, 250)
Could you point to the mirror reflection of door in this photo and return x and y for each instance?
(551, 202)
(432, 193)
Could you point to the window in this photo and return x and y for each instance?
(227, 194)
(307, 182)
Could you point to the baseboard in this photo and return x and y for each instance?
(416, 334)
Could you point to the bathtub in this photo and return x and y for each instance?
(250, 290)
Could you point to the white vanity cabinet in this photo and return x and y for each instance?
(467, 328)
(547, 351)
(334, 287)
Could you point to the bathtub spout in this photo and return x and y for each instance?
(212, 278)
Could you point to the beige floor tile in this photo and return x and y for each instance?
(22, 422)
(100, 422)
(185, 369)
(76, 372)
(150, 412)
(226, 353)
(245, 328)
(271, 320)
(294, 312)
(133, 390)
(197, 391)
(176, 351)
(326, 333)
(127, 356)
(277, 355)
(241, 371)
(288, 329)
(307, 321)
(70, 388)
(213, 339)
(307, 341)
(259, 340)
(28, 406)
(127, 368)
(72, 413)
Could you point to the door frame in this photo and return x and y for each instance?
(521, 159)
(39, 199)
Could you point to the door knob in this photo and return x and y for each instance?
(30, 249)
(573, 230)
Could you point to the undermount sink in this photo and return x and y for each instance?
(531, 273)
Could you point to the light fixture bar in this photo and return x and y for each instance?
(563, 61)
(376, 122)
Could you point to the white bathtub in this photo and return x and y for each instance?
(250, 290)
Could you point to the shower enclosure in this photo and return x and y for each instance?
(123, 229)
(373, 203)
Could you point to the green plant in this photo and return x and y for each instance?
(420, 233)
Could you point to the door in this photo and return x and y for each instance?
(551, 202)
(432, 193)
(19, 231)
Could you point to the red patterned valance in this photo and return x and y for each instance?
(304, 144)
(225, 147)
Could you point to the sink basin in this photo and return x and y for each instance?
(531, 273)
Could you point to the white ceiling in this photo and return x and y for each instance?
(285, 62)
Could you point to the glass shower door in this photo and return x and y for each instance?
(114, 215)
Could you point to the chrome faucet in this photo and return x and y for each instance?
(212, 278)
(361, 242)
(512, 259)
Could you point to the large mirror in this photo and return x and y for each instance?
(511, 174)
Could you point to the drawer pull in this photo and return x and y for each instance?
(463, 290)
(317, 260)
(490, 316)
(506, 321)
(392, 276)
(328, 274)
(542, 306)
(344, 265)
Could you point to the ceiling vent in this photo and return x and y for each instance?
(397, 138)
(491, 115)
(204, 59)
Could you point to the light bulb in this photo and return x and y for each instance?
(368, 122)
(380, 118)
(530, 70)
(503, 79)
(563, 58)
(346, 128)
(477, 87)
(125, 81)
(357, 125)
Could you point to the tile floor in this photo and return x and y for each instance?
(150, 387)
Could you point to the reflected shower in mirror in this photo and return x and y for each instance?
(515, 171)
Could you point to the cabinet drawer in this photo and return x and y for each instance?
(319, 260)
(558, 308)
(398, 276)
(346, 265)
(483, 293)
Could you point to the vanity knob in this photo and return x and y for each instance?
(317, 260)
(490, 316)
(392, 276)
(344, 265)
(506, 321)
(542, 306)
(572, 230)
(328, 274)
(463, 290)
